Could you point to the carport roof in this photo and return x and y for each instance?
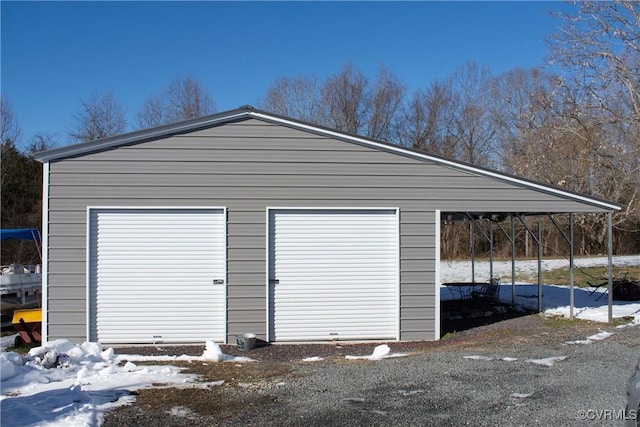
(248, 112)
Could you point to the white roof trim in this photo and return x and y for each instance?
(451, 163)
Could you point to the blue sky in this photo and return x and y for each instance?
(55, 53)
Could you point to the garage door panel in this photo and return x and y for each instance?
(336, 274)
(152, 275)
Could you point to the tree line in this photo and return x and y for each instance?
(573, 123)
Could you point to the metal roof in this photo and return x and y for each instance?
(247, 112)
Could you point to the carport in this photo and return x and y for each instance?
(485, 225)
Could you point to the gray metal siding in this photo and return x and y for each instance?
(246, 167)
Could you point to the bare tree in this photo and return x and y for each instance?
(188, 99)
(525, 122)
(599, 44)
(417, 122)
(427, 120)
(99, 117)
(9, 128)
(451, 117)
(152, 113)
(386, 100)
(545, 134)
(597, 51)
(184, 98)
(295, 97)
(474, 133)
(346, 101)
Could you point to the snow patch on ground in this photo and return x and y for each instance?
(596, 337)
(181, 411)
(8, 341)
(380, 352)
(521, 395)
(62, 384)
(547, 361)
(476, 357)
(214, 352)
(589, 303)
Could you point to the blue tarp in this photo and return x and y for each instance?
(20, 233)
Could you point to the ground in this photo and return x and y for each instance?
(468, 378)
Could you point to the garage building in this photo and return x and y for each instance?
(245, 221)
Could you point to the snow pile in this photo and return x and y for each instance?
(587, 305)
(8, 365)
(7, 341)
(504, 359)
(596, 337)
(475, 357)
(521, 395)
(547, 361)
(380, 352)
(214, 352)
(62, 384)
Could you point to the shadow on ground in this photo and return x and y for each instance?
(457, 316)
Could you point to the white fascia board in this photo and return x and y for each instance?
(445, 162)
(438, 308)
(45, 253)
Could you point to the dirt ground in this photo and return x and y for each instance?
(247, 386)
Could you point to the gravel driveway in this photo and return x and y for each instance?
(437, 384)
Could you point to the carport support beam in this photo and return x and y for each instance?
(572, 301)
(488, 238)
(472, 236)
(609, 264)
(513, 262)
(539, 265)
(512, 240)
(538, 239)
(490, 249)
(569, 240)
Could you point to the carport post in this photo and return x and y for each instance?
(571, 268)
(609, 268)
(513, 263)
(538, 240)
(490, 248)
(539, 265)
(472, 237)
(512, 239)
(569, 240)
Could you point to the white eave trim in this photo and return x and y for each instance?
(44, 241)
(445, 162)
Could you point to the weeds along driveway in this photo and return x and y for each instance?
(488, 376)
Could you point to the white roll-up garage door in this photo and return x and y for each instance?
(333, 274)
(157, 275)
